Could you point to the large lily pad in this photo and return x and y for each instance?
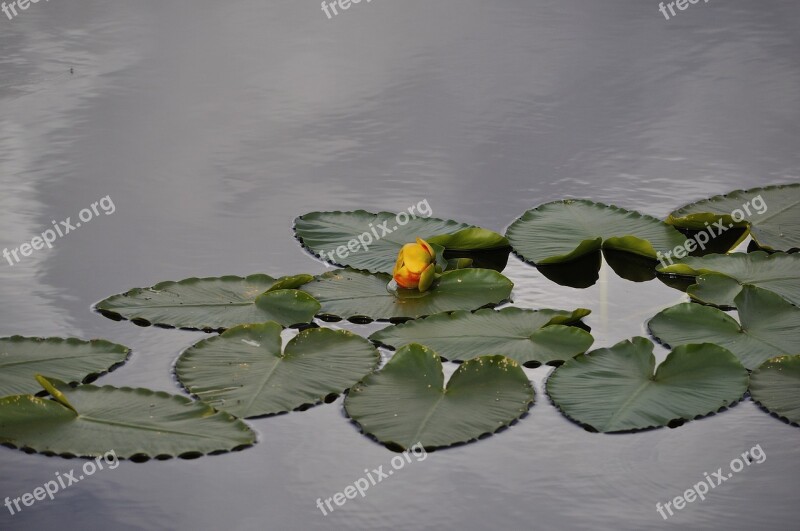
(772, 214)
(369, 241)
(530, 337)
(770, 326)
(406, 402)
(91, 421)
(72, 360)
(565, 230)
(213, 304)
(362, 296)
(616, 389)
(776, 386)
(244, 372)
(720, 277)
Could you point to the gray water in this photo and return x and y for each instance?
(212, 125)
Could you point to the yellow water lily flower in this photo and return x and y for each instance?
(415, 266)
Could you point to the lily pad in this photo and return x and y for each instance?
(772, 214)
(565, 230)
(616, 389)
(530, 337)
(720, 277)
(244, 372)
(770, 326)
(213, 304)
(91, 421)
(362, 296)
(776, 387)
(406, 402)
(70, 359)
(369, 241)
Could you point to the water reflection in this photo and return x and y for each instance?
(213, 125)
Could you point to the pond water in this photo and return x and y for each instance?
(212, 125)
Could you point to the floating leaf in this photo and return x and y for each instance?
(72, 360)
(770, 326)
(772, 213)
(244, 372)
(132, 422)
(361, 296)
(213, 304)
(776, 386)
(368, 241)
(562, 231)
(615, 389)
(531, 337)
(406, 401)
(720, 277)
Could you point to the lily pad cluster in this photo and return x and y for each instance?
(270, 351)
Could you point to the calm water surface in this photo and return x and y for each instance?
(213, 124)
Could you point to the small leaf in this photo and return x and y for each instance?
(55, 393)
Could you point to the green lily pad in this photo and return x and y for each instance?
(616, 389)
(772, 214)
(720, 277)
(244, 372)
(530, 337)
(362, 296)
(770, 326)
(213, 304)
(368, 241)
(72, 360)
(565, 230)
(406, 402)
(90, 421)
(776, 387)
